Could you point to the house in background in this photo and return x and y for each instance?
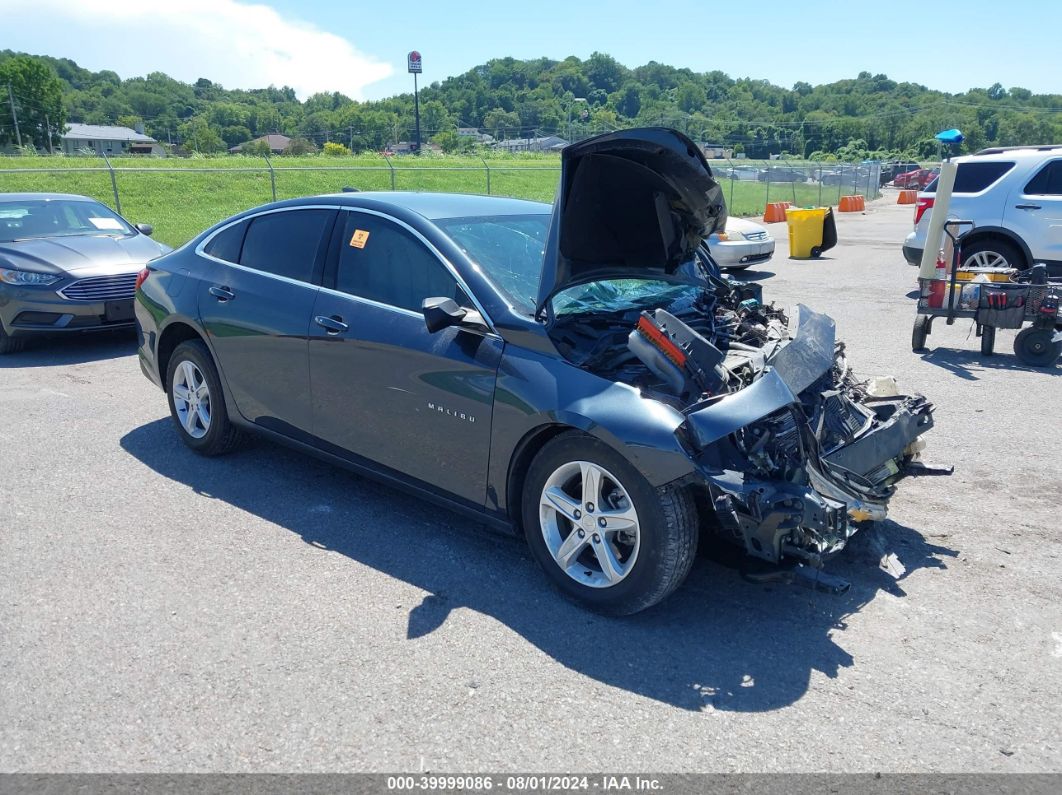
(107, 140)
(277, 143)
(717, 151)
(548, 143)
(475, 135)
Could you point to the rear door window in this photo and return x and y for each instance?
(286, 243)
(1047, 182)
(226, 244)
(974, 177)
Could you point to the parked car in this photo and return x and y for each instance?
(579, 371)
(743, 243)
(890, 169)
(744, 173)
(1014, 197)
(915, 179)
(851, 176)
(68, 264)
(783, 174)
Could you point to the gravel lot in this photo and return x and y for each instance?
(265, 612)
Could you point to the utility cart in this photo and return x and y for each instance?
(992, 299)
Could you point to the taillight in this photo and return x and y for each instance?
(921, 205)
(142, 277)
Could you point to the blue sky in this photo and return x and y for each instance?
(359, 47)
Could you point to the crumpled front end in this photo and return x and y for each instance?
(802, 452)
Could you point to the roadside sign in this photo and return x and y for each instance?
(414, 62)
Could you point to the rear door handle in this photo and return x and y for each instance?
(223, 294)
(333, 325)
(1027, 207)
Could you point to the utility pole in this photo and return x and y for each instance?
(48, 133)
(14, 115)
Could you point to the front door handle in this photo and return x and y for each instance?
(333, 325)
(223, 294)
(1027, 207)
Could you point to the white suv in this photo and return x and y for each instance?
(1014, 197)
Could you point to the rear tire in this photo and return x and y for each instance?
(197, 401)
(992, 253)
(9, 344)
(602, 533)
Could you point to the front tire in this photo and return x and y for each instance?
(197, 401)
(602, 533)
(9, 344)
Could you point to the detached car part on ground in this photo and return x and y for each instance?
(582, 373)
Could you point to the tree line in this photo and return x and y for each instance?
(868, 115)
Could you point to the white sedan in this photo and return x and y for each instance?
(744, 243)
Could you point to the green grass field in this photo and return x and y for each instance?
(181, 197)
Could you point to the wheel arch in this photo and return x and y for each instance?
(173, 335)
(659, 465)
(981, 234)
(524, 453)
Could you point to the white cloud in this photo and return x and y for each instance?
(239, 45)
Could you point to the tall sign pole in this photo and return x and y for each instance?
(415, 68)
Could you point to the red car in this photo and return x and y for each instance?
(916, 179)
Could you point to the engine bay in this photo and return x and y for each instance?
(815, 446)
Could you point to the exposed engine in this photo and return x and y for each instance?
(787, 481)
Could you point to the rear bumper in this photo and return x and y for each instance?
(26, 311)
(912, 255)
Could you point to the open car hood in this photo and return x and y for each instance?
(632, 204)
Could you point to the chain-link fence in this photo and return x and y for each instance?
(751, 184)
(181, 197)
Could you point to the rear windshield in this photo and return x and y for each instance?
(975, 177)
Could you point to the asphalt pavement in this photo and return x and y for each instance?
(267, 612)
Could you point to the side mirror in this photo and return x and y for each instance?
(440, 313)
(144, 229)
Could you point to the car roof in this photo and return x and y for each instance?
(1010, 154)
(19, 197)
(434, 206)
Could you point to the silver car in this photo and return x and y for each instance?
(67, 264)
(742, 244)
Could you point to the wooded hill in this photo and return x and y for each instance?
(867, 115)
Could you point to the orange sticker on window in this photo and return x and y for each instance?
(361, 237)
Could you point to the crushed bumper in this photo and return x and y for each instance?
(801, 453)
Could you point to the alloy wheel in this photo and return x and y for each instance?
(191, 399)
(986, 259)
(589, 524)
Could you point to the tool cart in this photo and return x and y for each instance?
(993, 300)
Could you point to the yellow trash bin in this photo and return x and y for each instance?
(811, 231)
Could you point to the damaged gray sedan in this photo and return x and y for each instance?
(580, 373)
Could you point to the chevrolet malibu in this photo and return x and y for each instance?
(579, 373)
(68, 264)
